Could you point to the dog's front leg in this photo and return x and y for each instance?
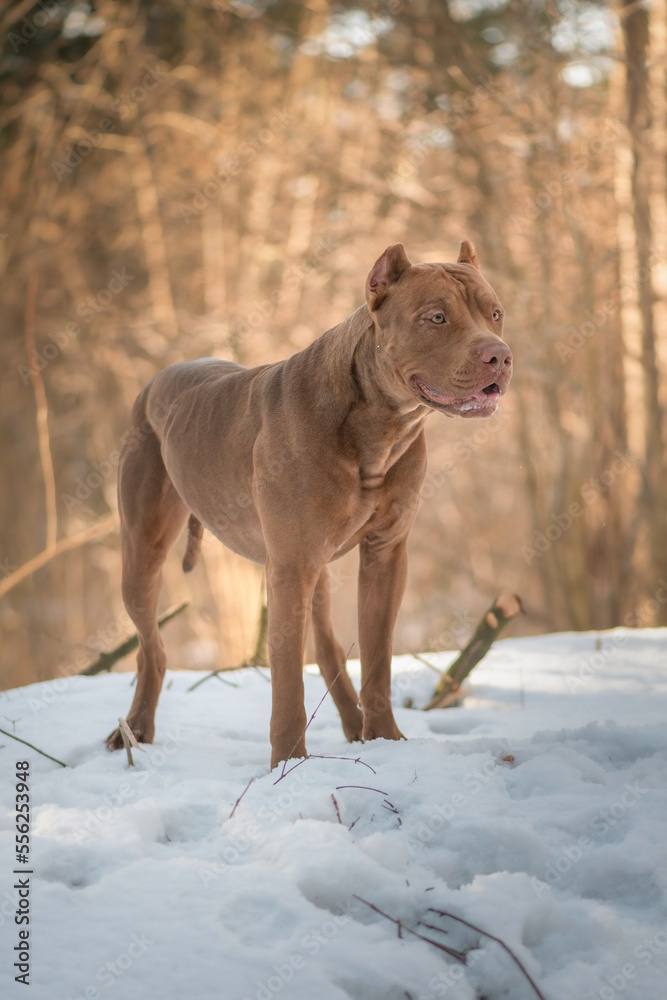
(382, 575)
(289, 603)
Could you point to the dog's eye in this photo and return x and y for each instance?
(438, 318)
(497, 315)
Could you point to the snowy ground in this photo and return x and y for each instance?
(538, 811)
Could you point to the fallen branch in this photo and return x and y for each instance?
(99, 530)
(460, 956)
(365, 788)
(129, 740)
(491, 937)
(214, 673)
(506, 607)
(32, 747)
(240, 797)
(258, 659)
(416, 656)
(390, 807)
(323, 756)
(105, 661)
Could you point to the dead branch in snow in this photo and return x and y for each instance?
(129, 740)
(323, 756)
(460, 956)
(240, 797)
(258, 659)
(491, 937)
(447, 691)
(32, 747)
(105, 661)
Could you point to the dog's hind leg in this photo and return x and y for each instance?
(331, 661)
(151, 517)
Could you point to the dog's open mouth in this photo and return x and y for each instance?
(480, 404)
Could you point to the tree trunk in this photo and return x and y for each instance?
(635, 21)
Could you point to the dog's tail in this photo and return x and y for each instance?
(195, 532)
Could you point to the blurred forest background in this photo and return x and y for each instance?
(183, 179)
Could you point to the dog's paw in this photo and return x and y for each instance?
(114, 740)
(353, 727)
(285, 757)
(386, 731)
(354, 735)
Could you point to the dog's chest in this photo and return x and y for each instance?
(381, 445)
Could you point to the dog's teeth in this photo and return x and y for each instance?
(474, 405)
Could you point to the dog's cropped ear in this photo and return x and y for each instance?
(386, 270)
(468, 255)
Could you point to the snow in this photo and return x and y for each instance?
(536, 811)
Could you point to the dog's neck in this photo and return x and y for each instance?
(361, 396)
(382, 422)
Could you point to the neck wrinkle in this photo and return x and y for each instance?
(376, 379)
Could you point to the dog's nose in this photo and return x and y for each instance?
(496, 354)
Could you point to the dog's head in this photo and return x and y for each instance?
(439, 332)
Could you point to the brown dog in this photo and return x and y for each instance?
(294, 463)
